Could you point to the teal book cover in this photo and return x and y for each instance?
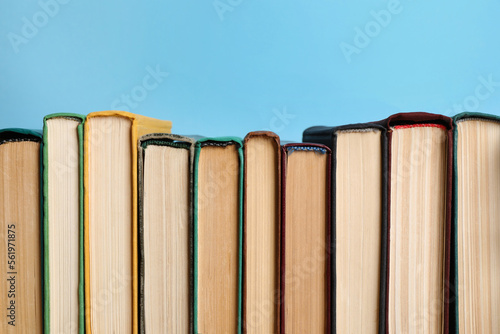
(476, 190)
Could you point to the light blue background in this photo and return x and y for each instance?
(257, 64)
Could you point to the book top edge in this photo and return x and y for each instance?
(420, 125)
(77, 117)
(312, 147)
(165, 139)
(467, 116)
(18, 134)
(412, 118)
(218, 141)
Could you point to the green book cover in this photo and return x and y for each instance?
(46, 232)
(200, 144)
(455, 284)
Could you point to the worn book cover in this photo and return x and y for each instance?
(171, 266)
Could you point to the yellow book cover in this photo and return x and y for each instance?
(111, 282)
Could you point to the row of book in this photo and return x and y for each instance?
(111, 224)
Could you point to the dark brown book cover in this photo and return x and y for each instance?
(276, 139)
(327, 135)
(414, 119)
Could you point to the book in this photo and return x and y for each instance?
(476, 224)
(420, 148)
(305, 239)
(110, 223)
(261, 236)
(20, 232)
(217, 226)
(165, 233)
(63, 223)
(359, 228)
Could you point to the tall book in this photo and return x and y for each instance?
(20, 242)
(218, 215)
(476, 224)
(110, 223)
(420, 148)
(261, 236)
(305, 239)
(359, 229)
(63, 223)
(165, 233)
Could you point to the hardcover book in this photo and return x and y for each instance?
(110, 225)
(359, 224)
(420, 151)
(476, 224)
(63, 223)
(20, 232)
(218, 216)
(165, 233)
(305, 239)
(261, 243)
